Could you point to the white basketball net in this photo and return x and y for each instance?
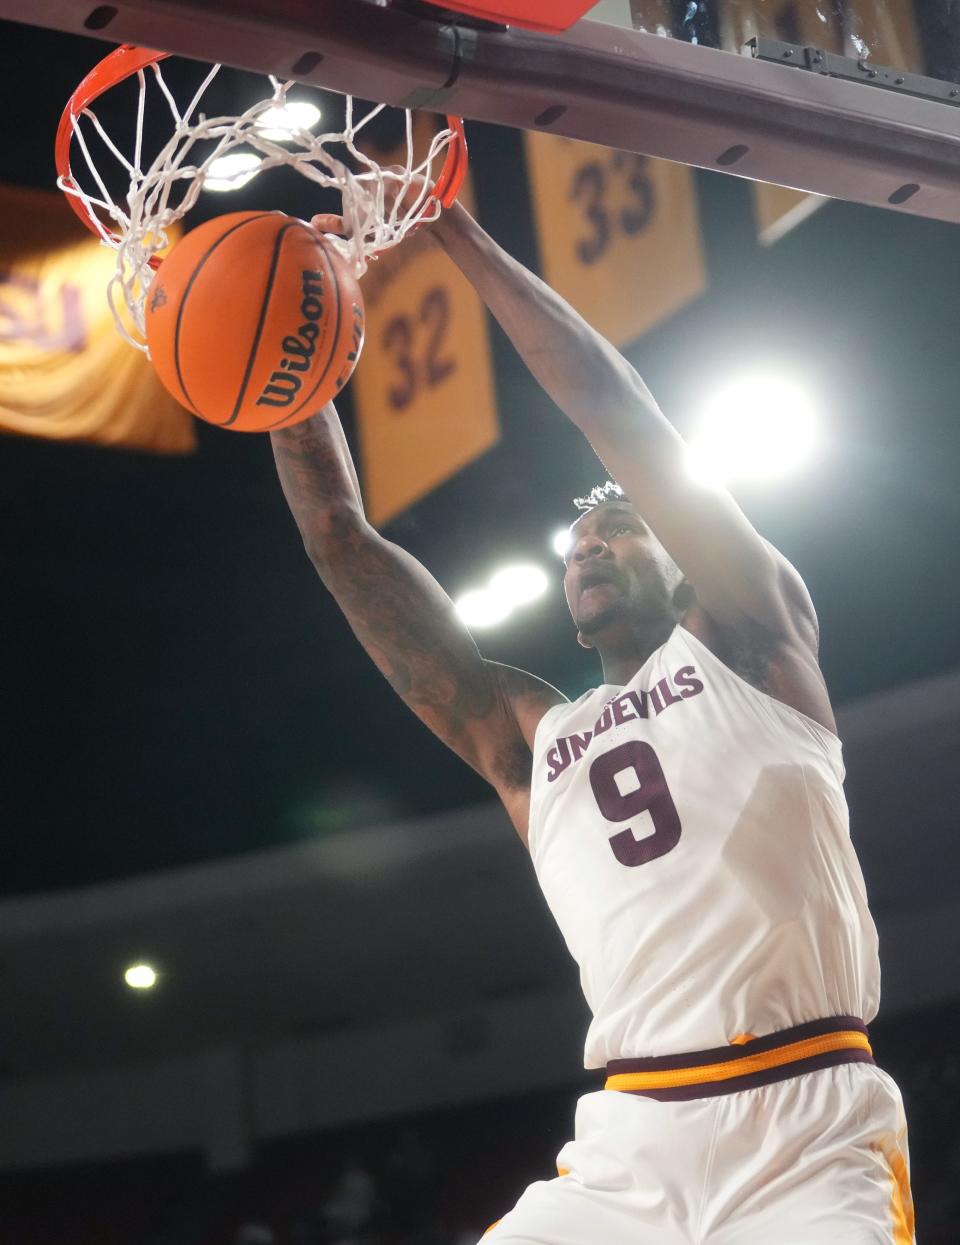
(162, 194)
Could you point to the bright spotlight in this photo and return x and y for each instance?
(519, 585)
(280, 123)
(232, 171)
(482, 608)
(140, 977)
(755, 428)
(561, 542)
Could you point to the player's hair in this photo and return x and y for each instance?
(608, 491)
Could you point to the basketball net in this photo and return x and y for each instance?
(380, 206)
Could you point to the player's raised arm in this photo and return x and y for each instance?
(738, 577)
(487, 713)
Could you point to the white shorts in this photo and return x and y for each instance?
(818, 1159)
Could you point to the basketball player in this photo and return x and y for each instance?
(686, 821)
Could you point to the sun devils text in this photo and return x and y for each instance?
(633, 704)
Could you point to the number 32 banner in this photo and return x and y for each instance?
(423, 388)
(619, 233)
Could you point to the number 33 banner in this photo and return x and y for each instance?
(619, 233)
(423, 388)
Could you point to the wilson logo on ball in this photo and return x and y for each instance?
(257, 331)
(283, 386)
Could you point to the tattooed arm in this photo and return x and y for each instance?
(487, 713)
(738, 577)
(749, 597)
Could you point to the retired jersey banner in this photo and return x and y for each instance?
(423, 389)
(816, 25)
(886, 34)
(619, 233)
(65, 371)
(890, 33)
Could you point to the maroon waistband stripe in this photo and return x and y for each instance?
(755, 1046)
(753, 1080)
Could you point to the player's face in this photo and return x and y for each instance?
(616, 571)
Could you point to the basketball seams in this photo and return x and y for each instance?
(264, 309)
(186, 294)
(218, 337)
(334, 340)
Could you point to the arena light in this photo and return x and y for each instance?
(232, 171)
(519, 585)
(140, 977)
(753, 428)
(481, 608)
(509, 589)
(278, 123)
(561, 542)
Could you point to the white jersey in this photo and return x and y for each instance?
(691, 837)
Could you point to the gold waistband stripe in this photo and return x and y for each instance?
(746, 1065)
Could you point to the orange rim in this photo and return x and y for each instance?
(123, 62)
(455, 166)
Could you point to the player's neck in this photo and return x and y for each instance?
(622, 655)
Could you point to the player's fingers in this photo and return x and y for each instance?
(328, 222)
(400, 182)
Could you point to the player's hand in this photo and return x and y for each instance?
(329, 222)
(404, 194)
(393, 190)
(407, 193)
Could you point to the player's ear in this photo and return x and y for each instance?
(684, 597)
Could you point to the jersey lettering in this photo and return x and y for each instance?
(624, 708)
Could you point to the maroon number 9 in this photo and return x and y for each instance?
(652, 796)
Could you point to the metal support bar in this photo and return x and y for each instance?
(854, 69)
(660, 97)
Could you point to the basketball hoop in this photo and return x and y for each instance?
(375, 207)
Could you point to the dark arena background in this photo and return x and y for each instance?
(275, 969)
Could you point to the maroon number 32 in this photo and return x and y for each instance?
(652, 796)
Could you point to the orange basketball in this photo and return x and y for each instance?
(254, 321)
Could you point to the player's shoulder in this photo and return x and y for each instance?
(798, 603)
(786, 621)
(780, 660)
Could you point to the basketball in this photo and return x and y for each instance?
(254, 321)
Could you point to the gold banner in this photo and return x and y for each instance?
(619, 233)
(813, 24)
(423, 389)
(890, 36)
(65, 371)
(886, 34)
